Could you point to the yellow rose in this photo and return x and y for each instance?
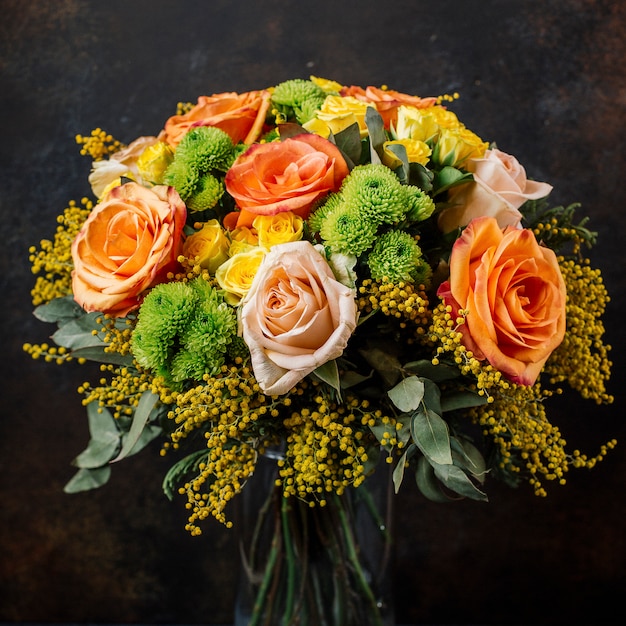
(318, 127)
(340, 112)
(455, 146)
(329, 86)
(207, 247)
(279, 228)
(417, 124)
(153, 162)
(242, 239)
(416, 152)
(236, 275)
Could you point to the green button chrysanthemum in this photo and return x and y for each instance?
(183, 331)
(348, 231)
(376, 192)
(397, 256)
(300, 97)
(420, 205)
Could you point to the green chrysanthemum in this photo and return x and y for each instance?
(299, 98)
(420, 205)
(397, 256)
(201, 157)
(183, 351)
(206, 148)
(332, 203)
(376, 192)
(163, 316)
(206, 194)
(347, 231)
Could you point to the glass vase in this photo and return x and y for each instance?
(314, 566)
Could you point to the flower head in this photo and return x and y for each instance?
(398, 257)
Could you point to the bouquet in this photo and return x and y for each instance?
(335, 279)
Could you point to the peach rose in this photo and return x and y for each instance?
(288, 175)
(129, 242)
(241, 116)
(387, 101)
(295, 317)
(500, 187)
(514, 295)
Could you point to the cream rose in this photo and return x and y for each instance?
(295, 317)
(500, 187)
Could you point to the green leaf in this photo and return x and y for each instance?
(449, 177)
(407, 394)
(78, 333)
(467, 456)
(421, 177)
(430, 434)
(148, 434)
(384, 363)
(143, 413)
(461, 400)
(86, 479)
(329, 373)
(97, 353)
(178, 472)
(104, 441)
(432, 396)
(436, 373)
(404, 433)
(428, 483)
(376, 131)
(402, 171)
(59, 310)
(455, 479)
(398, 470)
(349, 142)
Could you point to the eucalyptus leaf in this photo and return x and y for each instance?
(352, 378)
(142, 415)
(467, 456)
(407, 394)
(463, 399)
(428, 483)
(349, 142)
(102, 424)
(97, 453)
(86, 479)
(455, 479)
(97, 353)
(398, 470)
(436, 373)
(449, 177)
(430, 434)
(432, 396)
(402, 171)
(376, 131)
(59, 310)
(421, 177)
(329, 373)
(148, 434)
(79, 332)
(384, 363)
(180, 470)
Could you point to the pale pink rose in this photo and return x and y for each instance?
(121, 163)
(295, 317)
(500, 187)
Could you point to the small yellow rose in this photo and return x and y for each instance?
(153, 162)
(242, 239)
(416, 152)
(329, 86)
(280, 228)
(417, 124)
(455, 146)
(236, 275)
(318, 127)
(340, 112)
(207, 247)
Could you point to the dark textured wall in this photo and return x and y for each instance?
(543, 79)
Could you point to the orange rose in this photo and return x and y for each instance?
(241, 116)
(129, 242)
(287, 175)
(514, 297)
(387, 101)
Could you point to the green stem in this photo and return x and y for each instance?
(284, 514)
(354, 560)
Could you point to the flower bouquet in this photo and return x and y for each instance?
(328, 285)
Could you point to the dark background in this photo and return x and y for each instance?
(543, 79)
